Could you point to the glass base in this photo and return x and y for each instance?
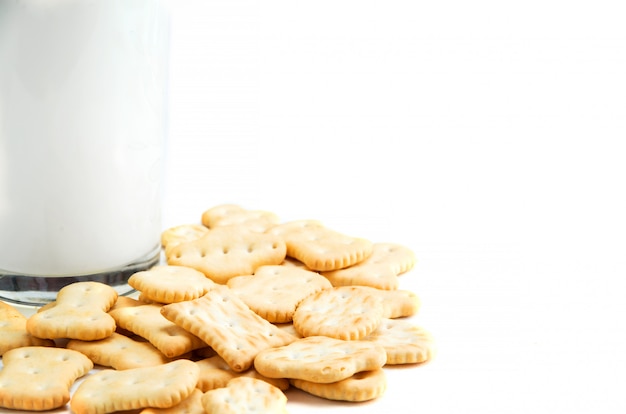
(38, 291)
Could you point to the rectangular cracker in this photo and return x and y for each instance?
(119, 352)
(226, 324)
(147, 322)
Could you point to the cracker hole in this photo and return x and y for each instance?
(225, 250)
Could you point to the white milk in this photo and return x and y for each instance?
(82, 125)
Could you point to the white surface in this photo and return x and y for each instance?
(484, 135)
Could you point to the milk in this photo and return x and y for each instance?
(83, 88)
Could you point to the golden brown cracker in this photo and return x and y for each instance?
(229, 251)
(362, 386)
(403, 342)
(80, 312)
(321, 248)
(244, 395)
(119, 352)
(215, 373)
(380, 270)
(346, 312)
(227, 325)
(231, 214)
(147, 322)
(320, 359)
(39, 378)
(13, 332)
(160, 386)
(180, 234)
(274, 292)
(190, 405)
(398, 303)
(169, 284)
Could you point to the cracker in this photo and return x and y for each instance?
(346, 312)
(403, 342)
(321, 248)
(231, 214)
(126, 302)
(119, 352)
(245, 395)
(227, 325)
(147, 322)
(161, 386)
(362, 386)
(204, 352)
(80, 312)
(274, 292)
(168, 284)
(229, 251)
(320, 359)
(183, 233)
(13, 332)
(397, 303)
(380, 270)
(288, 327)
(190, 405)
(215, 373)
(290, 261)
(39, 378)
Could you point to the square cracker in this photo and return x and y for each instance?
(274, 292)
(168, 284)
(227, 325)
(321, 248)
(345, 312)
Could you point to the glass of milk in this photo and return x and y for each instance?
(83, 122)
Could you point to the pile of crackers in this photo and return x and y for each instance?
(245, 307)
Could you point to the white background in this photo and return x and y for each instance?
(484, 135)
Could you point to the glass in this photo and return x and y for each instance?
(83, 122)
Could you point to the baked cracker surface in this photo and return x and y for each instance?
(227, 325)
